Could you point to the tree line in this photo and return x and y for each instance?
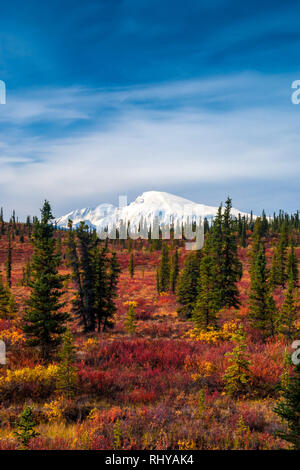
(94, 275)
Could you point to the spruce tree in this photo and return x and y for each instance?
(2, 227)
(111, 293)
(285, 376)
(187, 290)
(214, 246)
(292, 264)
(164, 272)
(131, 265)
(288, 408)
(8, 262)
(4, 299)
(158, 288)
(239, 225)
(262, 312)
(78, 307)
(278, 268)
(130, 322)
(206, 226)
(95, 276)
(284, 232)
(174, 270)
(288, 314)
(26, 270)
(66, 381)
(264, 225)
(59, 245)
(244, 234)
(256, 242)
(87, 244)
(237, 375)
(44, 322)
(230, 267)
(100, 285)
(26, 428)
(221, 244)
(206, 307)
(12, 307)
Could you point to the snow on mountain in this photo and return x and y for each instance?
(164, 207)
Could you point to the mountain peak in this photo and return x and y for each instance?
(149, 205)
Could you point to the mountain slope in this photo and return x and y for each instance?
(165, 207)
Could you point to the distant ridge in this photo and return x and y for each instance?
(165, 207)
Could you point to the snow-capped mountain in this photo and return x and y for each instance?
(152, 205)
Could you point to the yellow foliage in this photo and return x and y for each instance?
(93, 414)
(214, 336)
(54, 411)
(83, 440)
(297, 324)
(186, 445)
(130, 303)
(39, 374)
(199, 369)
(12, 337)
(90, 344)
(58, 430)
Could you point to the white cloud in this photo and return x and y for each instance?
(139, 147)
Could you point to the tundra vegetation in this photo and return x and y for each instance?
(140, 344)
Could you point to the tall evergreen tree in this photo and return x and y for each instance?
(284, 232)
(256, 242)
(164, 272)
(112, 285)
(244, 234)
(100, 279)
(206, 307)
(59, 244)
(131, 265)
(292, 264)
(288, 314)
(288, 408)
(12, 307)
(187, 289)
(278, 268)
(87, 244)
(73, 262)
(95, 277)
(4, 299)
(174, 270)
(9, 261)
(262, 311)
(221, 244)
(264, 224)
(157, 279)
(230, 266)
(44, 322)
(214, 246)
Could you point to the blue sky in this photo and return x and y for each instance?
(114, 97)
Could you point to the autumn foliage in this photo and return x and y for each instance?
(138, 384)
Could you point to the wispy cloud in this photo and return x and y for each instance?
(79, 103)
(232, 128)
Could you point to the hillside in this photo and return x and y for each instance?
(167, 208)
(158, 387)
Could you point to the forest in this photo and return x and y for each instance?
(142, 344)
